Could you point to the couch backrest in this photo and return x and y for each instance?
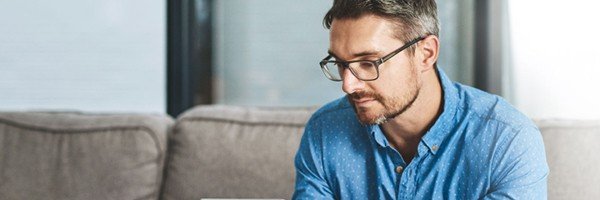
(81, 156)
(214, 151)
(571, 151)
(234, 152)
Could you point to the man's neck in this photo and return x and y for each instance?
(406, 130)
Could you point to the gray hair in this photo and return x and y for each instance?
(412, 18)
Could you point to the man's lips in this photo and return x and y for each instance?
(363, 101)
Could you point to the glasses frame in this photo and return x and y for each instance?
(376, 63)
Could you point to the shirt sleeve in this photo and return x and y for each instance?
(520, 170)
(310, 177)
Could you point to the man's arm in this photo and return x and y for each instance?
(310, 177)
(521, 171)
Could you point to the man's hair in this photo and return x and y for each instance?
(412, 18)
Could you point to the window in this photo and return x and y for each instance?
(267, 52)
(555, 58)
(99, 56)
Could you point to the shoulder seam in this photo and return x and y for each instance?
(482, 116)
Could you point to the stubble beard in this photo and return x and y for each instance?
(392, 107)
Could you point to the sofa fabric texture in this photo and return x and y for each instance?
(81, 156)
(209, 152)
(234, 152)
(571, 148)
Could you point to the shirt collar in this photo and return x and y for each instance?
(378, 135)
(442, 127)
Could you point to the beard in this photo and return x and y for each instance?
(390, 107)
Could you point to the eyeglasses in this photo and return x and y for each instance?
(365, 70)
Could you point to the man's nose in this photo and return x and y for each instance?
(350, 83)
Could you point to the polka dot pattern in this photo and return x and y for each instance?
(479, 148)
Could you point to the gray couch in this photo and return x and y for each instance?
(208, 152)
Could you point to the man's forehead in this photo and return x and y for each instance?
(368, 35)
(368, 27)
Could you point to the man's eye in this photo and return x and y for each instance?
(366, 65)
(340, 65)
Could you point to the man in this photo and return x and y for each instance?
(404, 130)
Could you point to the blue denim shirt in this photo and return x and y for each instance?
(480, 147)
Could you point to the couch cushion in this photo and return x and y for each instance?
(81, 156)
(234, 152)
(571, 150)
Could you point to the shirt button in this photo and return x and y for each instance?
(434, 148)
(399, 169)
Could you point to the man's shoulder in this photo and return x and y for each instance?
(501, 140)
(332, 123)
(339, 107)
(491, 108)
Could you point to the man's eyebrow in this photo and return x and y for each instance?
(332, 54)
(359, 54)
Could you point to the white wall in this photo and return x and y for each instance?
(104, 56)
(556, 58)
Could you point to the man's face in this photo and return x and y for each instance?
(370, 38)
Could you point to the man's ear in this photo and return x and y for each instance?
(428, 51)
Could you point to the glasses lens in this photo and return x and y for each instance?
(364, 70)
(332, 71)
